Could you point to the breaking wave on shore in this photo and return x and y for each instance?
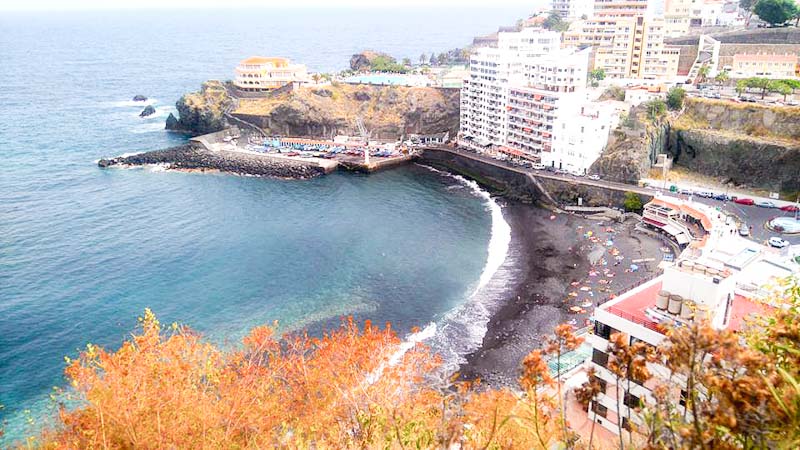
(461, 331)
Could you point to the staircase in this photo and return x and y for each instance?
(707, 55)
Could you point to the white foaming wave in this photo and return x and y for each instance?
(131, 103)
(148, 127)
(461, 331)
(411, 340)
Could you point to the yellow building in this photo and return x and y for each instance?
(260, 74)
(625, 46)
(764, 65)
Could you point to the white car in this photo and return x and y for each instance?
(778, 242)
(538, 166)
(766, 204)
(594, 177)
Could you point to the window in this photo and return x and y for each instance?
(599, 358)
(684, 395)
(603, 383)
(599, 409)
(631, 401)
(603, 330)
(626, 424)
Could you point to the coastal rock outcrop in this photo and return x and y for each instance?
(172, 122)
(139, 98)
(363, 60)
(632, 148)
(147, 111)
(204, 111)
(188, 157)
(749, 145)
(389, 112)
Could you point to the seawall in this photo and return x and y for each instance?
(527, 185)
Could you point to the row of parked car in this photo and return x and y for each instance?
(739, 200)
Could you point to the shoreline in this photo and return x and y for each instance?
(551, 252)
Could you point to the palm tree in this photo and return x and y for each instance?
(703, 73)
(722, 77)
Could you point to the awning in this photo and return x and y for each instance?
(653, 222)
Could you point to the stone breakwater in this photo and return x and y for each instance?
(190, 158)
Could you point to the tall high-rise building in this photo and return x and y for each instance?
(574, 9)
(484, 95)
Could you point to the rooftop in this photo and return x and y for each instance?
(276, 61)
(638, 306)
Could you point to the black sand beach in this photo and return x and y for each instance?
(553, 251)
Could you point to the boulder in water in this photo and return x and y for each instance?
(172, 122)
(147, 111)
(139, 98)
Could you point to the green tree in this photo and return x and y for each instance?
(442, 59)
(675, 98)
(632, 201)
(780, 87)
(703, 73)
(423, 58)
(722, 77)
(432, 59)
(793, 84)
(407, 62)
(596, 75)
(775, 12)
(741, 87)
(554, 22)
(656, 108)
(759, 83)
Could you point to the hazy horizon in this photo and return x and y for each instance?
(98, 5)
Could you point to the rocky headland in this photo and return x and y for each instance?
(193, 158)
(389, 112)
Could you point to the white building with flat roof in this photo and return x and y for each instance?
(580, 134)
(484, 94)
(720, 277)
(548, 86)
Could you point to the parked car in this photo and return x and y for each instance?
(744, 201)
(766, 204)
(790, 208)
(685, 191)
(594, 177)
(539, 166)
(721, 197)
(778, 242)
(743, 230)
(705, 194)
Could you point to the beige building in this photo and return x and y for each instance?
(261, 74)
(677, 17)
(627, 47)
(765, 66)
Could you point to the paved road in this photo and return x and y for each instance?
(754, 216)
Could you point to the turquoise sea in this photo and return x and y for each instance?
(83, 251)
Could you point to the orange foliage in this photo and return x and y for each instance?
(350, 388)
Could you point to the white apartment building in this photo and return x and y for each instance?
(574, 9)
(720, 276)
(484, 94)
(261, 74)
(580, 134)
(548, 86)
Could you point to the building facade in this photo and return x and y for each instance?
(574, 9)
(580, 134)
(719, 278)
(764, 66)
(262, 74)
(484, 94)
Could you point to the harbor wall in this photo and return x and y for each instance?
(524, 185)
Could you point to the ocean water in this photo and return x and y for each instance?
(83, 251)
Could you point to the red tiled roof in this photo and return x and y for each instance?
(743, 308)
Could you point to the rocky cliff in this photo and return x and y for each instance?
(748, 145)
(388, 112)
(202, 112)
(631, 148)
